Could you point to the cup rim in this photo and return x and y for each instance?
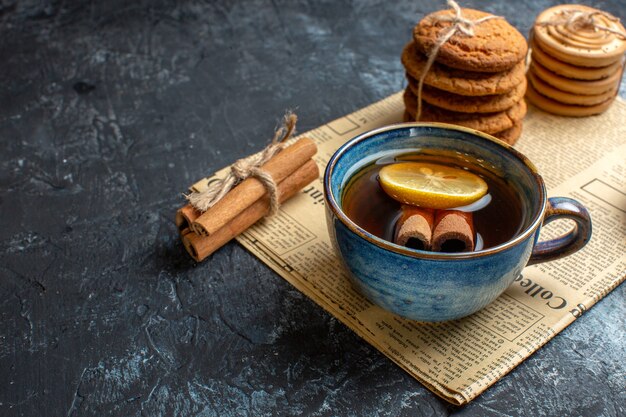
(420, 254)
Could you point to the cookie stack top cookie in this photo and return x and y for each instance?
(476, 75)
(577, 60)
(494, 46)
(566, 35)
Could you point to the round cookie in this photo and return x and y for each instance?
(556, 54)
(571, 71)
(465, 83)
(561, 109)
(582, 87)
(496, 45)
(547, 90)
(486, 122)
(510, 135)
(582, 45)
(468, 104)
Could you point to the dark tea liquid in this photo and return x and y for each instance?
(495, 222)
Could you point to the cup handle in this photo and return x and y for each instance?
(572, 241)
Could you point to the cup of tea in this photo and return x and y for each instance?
(438, 286)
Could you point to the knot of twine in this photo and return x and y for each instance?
(577, 19)
(246, 168)
(459, 24)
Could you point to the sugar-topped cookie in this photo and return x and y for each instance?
(467, 83)
(496, 45)
(485, 122)
(469, 104)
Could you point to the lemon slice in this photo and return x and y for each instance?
(431, 185)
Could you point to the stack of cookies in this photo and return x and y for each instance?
(475, 81)
(576, 66)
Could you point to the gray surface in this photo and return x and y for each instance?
(108, 111)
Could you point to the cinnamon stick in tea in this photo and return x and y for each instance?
(199, 247)
(415, 227)
(453, 231)
(251, 189)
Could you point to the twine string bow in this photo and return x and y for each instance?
(460, 24)
(577, 19)
(246, 168)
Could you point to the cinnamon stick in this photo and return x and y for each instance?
(250, 190)
(185, 216)
(415, 227)
(453, 231)
(199, 247)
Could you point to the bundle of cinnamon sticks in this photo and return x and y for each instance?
(291, 169)
(435, 230)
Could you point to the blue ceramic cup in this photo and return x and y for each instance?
(429, 286)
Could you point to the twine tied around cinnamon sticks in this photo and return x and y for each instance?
(460, 24)
(254, 188)
(576, 20)
(248, 167)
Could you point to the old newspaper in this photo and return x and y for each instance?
(581, 158)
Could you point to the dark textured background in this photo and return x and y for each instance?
(108, 111)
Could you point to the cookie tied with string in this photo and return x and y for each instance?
(467, 67)
(580, 35)
(495, 45)
(577, 60)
